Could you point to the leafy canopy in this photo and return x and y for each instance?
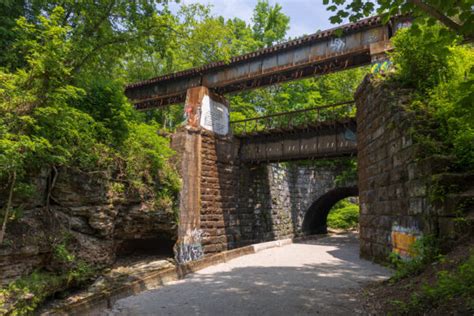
(54, 116)
(456, 15)
(442, 73)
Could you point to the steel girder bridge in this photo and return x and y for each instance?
(328, 131)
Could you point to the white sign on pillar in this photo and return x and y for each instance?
(214, 116)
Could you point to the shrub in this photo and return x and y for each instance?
(146, 155)
(422, 58)
(459, 283)
(449, 285)
(24, 295)
(344, 215)
(441, 71)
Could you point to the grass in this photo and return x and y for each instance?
(454, 287)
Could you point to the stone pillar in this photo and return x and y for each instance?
(203, 110)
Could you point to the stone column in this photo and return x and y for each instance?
(203, 110)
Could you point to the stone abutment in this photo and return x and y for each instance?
(241, 204)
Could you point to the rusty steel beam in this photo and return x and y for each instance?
(312, 55)
(325, 140)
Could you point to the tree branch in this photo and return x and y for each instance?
(118, 40)
(435, 13)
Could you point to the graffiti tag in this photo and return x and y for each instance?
(190, 247)
(337, 44)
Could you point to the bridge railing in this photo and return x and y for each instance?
(294, 119)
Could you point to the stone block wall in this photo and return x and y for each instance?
(274, 198)
(393, 183)
(243, 204)
(220, 222)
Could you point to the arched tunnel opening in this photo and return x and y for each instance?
(315, 220)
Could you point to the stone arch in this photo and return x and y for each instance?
(316, 217)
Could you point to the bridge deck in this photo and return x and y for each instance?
(315, 54)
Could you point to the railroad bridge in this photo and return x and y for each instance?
(234, 191)
(320, 132)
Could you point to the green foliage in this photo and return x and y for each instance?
(270, 24)
(47, 121)
(146, 157)
(10, 11)
(442, 72)
(343, 215)
(425, 251)
(108, 107)
(100, 32)
(455, 15)
(307, 93)
(24, 295)
(450, 285)
(423, 68)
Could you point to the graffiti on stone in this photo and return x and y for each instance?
(190, 247)
(381, 66)
(188, 252)
(403, 239)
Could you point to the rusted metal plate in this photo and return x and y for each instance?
(309, 143)
(301, 55)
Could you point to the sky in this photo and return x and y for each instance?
(306, 16)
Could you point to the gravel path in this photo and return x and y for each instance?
(315, 277)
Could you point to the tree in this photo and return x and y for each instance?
(56, 114)
(456, 15)
(100, 31)
(269, 23)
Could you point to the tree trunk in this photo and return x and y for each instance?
(8, 207)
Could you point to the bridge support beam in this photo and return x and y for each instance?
(203, 110)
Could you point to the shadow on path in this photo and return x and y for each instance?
(306, 278)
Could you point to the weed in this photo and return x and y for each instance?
(62, 254)
(458, 284)
(425, 249)
(23, 296)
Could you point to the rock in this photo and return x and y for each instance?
(77, 188)
(95, 251)
(85, 218)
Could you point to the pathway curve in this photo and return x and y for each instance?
(308, 278)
